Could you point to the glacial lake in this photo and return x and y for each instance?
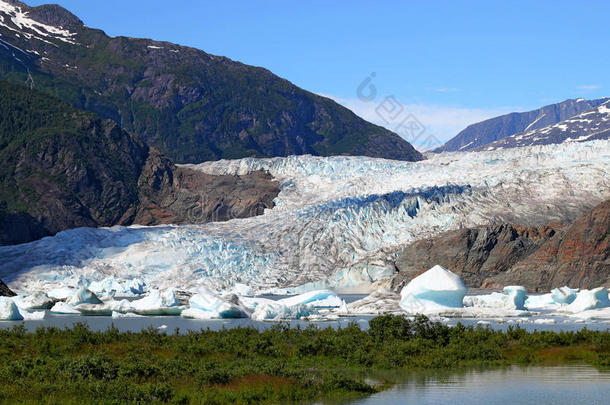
(512, 385)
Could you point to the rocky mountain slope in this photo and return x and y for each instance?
(474, 253)
(491, 130)
(539, 258)
(190, 105)
(577, 256)
(64, 168)
(5, 291)
(587, 126)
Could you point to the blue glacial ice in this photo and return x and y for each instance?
(337, 224)
(434, 290)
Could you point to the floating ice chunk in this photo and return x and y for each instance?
(343, 309)
(516, 296)
(8, 310)
(317, 299)
(378, 302)
(106, 285)
(63, 308)
(250, 303)
(158, 303)
(545, 321)
(600, 314)
(37, 300)
(216, 306)
(116, 314)
(541, 301)
(94, 309)
(135, 286)
(434, 290)
(589, 299)
(83, 296)
(277, 311)
(196, 313)
(564, 295)
(61, 293)
(33, 316)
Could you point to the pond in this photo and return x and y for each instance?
(512, 385)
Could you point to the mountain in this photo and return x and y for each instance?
(577, 256)
(5, 291)
(588, 126)
(64, 168)
(539, 258)
(474, 253)
(493, 129)
(190, 105)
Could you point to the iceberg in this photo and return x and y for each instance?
(516, 296)
(540, 301)
(376, 303)
(8, 310)
(106, 286)
(316, 298)
(111, 286)
(126, 315)
(63, 308)
(589, 299)
(94, 309)
(33, 316)
(276, 311)
(158, 303)
(135, 286)
(214, 306)
(434, 290)
(61, 293)
(83, 296)
(37, 300)
(564, 295)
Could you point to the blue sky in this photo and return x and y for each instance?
(448, 63)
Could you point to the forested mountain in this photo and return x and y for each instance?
(190, 105)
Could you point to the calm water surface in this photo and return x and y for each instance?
(513, 385)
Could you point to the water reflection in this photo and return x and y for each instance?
(512, 385)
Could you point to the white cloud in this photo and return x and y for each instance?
(441, 121)
(588, 87)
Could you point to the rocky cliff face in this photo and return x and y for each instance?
(175, 195)
(474, 253)
(577, 256)
(189, 105)
(5, 291)
(539, 258)
(65, 168)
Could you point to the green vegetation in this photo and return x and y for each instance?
(244, 365)
(192, 106)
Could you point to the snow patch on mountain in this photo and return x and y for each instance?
(17, 20)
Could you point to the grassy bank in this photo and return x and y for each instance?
(247, 366)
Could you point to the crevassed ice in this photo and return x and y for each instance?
(338, 221)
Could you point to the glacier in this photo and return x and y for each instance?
(338, 223)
